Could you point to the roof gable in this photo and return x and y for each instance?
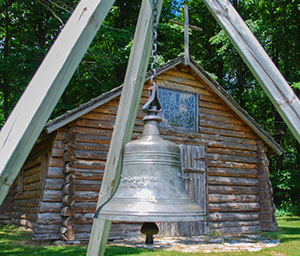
(84, 108)
(213, 85)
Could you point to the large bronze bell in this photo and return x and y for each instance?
(151, 187)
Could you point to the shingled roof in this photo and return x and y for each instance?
(219, 90)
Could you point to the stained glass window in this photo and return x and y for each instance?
(179, 109)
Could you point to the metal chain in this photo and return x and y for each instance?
(153, 104)
(154, 45)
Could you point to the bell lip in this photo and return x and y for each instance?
(152, 218)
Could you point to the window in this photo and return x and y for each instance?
(179, 109)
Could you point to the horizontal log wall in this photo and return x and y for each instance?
(6, 207)
(91, 145)
(27, 188)
(233, 186)
(48, 221)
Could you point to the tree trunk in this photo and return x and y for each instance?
(220, 65)
(240, 81)
(279, 126)
(298, 155)
(279, 134)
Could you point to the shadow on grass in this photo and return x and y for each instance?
(10, 232)
(292, 219)
(285, 234)
(42, 251)
(123, 250)
(289, 230)
(17, 242)
(65, 250)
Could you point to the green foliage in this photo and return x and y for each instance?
(296, 85)
(27, 30)
(286, 180)
(287, 208)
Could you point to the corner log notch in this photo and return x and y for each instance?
(68, 200)
(267, 207)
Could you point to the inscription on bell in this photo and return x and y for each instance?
(136, 182)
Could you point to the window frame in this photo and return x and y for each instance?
(181, 90)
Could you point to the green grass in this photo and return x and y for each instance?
(17, 242)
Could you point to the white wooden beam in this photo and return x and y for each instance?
(32, 111)
(258, 61)
(129, 102)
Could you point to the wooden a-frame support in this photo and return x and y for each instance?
(24, 125)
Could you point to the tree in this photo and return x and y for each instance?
(27, 30)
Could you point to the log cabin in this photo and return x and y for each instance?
(223, 150)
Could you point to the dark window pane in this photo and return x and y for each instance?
(179, 109)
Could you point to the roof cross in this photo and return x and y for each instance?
(186, 33)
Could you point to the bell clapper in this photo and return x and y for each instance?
(149, 229)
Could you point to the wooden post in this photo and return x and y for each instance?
(258, 61)
(186, 36)
(129, 102)
(32, 111)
